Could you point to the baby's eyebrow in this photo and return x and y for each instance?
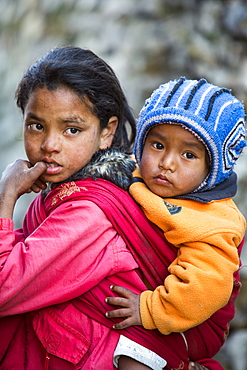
(156, 135)
(196, 145)
(192, 144)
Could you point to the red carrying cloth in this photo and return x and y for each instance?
(153, 255)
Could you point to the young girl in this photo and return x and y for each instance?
(79, 235)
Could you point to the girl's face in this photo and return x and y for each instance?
(174, 162)
(60, 130)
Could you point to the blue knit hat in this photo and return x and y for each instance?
(211, 113)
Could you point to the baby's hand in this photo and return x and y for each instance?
(196, 366)
(20, 178)
(131, 311)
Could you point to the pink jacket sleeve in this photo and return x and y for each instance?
(64, 257)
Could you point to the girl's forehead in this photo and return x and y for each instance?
(59, 90)
(61, 93)
(61, 102)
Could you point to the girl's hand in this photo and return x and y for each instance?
(20, 178)
(17, 179)
(131, 303)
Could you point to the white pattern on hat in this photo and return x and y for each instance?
(221, 111)
(161, 95)
(185, 91)
(203, 98)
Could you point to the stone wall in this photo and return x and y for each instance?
(147, 43)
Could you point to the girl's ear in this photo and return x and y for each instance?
(107, 134)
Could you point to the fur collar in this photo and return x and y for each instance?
(110, 164)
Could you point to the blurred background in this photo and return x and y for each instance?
(147, 43)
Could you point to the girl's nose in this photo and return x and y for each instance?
(51, 143)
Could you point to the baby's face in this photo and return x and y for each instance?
(174, 162)
(60, 130)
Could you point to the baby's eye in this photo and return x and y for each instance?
(73, 131)
(189, 155)
(158, 146)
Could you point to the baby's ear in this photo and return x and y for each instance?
(108, 133)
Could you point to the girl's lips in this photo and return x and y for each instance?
(52, 169)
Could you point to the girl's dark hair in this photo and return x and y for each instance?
(89, 76)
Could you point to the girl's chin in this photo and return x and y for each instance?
(53, 179)
(56, 178)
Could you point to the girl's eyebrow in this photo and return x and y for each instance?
(34, 117)
(74, 119)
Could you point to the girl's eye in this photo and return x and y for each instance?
(73, 131)
(189, 155)
(158, 146)
(35, 127)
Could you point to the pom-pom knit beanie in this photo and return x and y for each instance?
(211, 113)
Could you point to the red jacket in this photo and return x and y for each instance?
(61, 254)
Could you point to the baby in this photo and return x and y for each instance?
(189, 136)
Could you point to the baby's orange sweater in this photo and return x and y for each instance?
(201, 277)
